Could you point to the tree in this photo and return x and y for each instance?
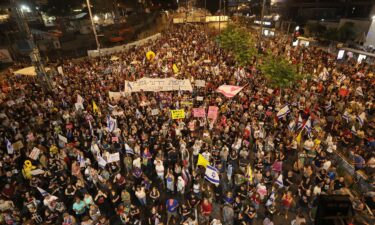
(279, 72)
(239, 42)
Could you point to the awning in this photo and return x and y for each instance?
(28, 71)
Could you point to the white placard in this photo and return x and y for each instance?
(60, 70)
(78, 106)
(63, 139)
(155, 112)
(114, 157)
(101, 162)
(200, 98)
(37, 172)
(200, 83)
(34, 154)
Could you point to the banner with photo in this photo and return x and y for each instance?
(157, 85)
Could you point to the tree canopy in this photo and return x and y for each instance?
(239, 42)
(279, 72)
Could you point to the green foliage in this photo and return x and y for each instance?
(279, 72)
(239, 42)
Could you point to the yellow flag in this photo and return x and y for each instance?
(175, 68)
(249, 174)
(202, 161)
(298, 138)
(95, 108)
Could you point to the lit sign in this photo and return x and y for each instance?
(340, 55)
(361, 57)
(264, 22)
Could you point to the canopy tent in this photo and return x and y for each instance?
(28, 71)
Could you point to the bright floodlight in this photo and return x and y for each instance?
(25, 8)
(297, 28)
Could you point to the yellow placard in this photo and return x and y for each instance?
(178, 114)
(187, 103)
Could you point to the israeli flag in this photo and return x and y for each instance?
(292, 125)
(279, 181)
(111, 123)
(42, 192)
(346, 116)
(299, 122)
(212, 175)
(361, 118)
(308, 126)
(128, 149)
(9, 146)
(328, 106)
(359, 91)
(283, 112)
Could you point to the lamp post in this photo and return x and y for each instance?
(42, 77)
(261, 19)
(220, 17)
(93, 25)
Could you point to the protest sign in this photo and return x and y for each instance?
(200, 83)
(186, 103)
(178, 114)
(18, 145)
(60, 70)
(199, 98)
(114, 157)
(115, 139)
(155, 112)
(101, 161)
(199, 112)
(34, 154)
(78, 106)
(212, 112)
(115, 95)
(37, 172)
(158, 84)
(63, 139)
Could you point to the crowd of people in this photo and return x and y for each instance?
(271, 170)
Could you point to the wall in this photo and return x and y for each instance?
(113, 50)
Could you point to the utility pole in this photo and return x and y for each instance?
(220, 17)
(93, 25)
(261, 19)
(23, 26)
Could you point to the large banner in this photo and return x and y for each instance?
(158, 84)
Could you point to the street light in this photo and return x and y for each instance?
(96, 18)
(25, 8)
(93, 25)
